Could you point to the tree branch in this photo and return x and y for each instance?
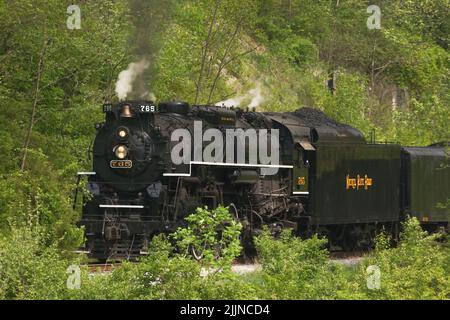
(205, 50)
(35, 102)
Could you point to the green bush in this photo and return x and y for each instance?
(160, 275)
(293, 268)
(211, 236)
(25, 196)
(30, 268)
(417, 268)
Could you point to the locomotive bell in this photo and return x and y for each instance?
(126, 112)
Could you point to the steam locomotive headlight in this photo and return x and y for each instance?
(122, 133)
(121, 152)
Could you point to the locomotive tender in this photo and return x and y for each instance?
(327, 179)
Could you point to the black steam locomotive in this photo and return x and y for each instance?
(327, 179)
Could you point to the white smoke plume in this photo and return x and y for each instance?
(233, 102)
(124, 84)
(254, 95)
(148, 96)
(257, 97)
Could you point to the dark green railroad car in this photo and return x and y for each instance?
(426, 183)
(355, 183)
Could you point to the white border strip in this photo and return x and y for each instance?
(121, 206)
(86, 173)
(300, 192)
(226, 164)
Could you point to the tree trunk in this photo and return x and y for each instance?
(35, 102)
(332, 43)
(205, 50)
(372, 66)
(223, 61)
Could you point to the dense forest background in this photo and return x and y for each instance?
(275, 55)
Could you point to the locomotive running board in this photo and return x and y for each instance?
(129, 206)
(226, 164)
(86, 173)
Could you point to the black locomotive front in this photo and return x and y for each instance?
(125, 182)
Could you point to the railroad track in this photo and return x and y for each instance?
(102, 267)
(338, 255)
(347, 258)
(241, 265)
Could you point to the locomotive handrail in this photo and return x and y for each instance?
(129, 206)
(226, 164)
(79, 174)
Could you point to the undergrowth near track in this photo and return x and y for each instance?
(292, 268)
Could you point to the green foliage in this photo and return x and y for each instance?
(211, 236)
(160, 275)
(416, 269)
(226, 285)
(293, 268)
(426, 121)
(409, 54)
(209, 38)
(24, 196)
(349, 105)
(30, 267)
(79, 68)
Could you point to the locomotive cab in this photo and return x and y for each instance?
(302, 159)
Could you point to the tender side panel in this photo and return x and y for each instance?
(426, 183)
(355, 183)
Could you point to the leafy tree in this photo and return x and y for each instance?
(52, 82)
